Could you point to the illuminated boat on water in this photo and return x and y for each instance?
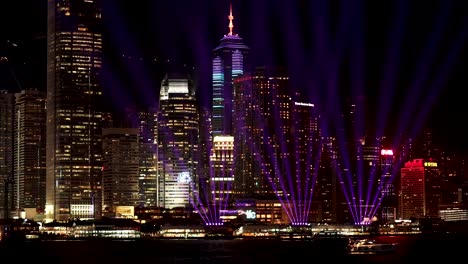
(370, 246)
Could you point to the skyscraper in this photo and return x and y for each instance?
(413, 198)
(6, 151)
(147, 126)
(306, 155)
(326, 192)
(262, 138)
(229, 61)
(74, 146)
(389, 199)
(178, 128)
(421, 191)
(29, 149)
(120, 184)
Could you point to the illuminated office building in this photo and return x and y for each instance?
(420, 189)
(222, 178)
(178, 129)
(306, 154)
(120, 160)
(74, 145)
(146, 123)
(147, 168)
(29, 150)
(388, 197)
(262, 132)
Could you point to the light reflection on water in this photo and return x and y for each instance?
(411, 249)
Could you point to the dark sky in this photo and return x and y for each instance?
(409, 57)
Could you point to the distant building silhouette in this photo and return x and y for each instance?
(120, 178)
(6, 152)
(30, 148)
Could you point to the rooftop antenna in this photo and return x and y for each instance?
(231, 18)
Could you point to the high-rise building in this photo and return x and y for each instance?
(413, 199)
(420, 189)
(74, 144)
(229, 61)
(178, 128)
(434, 187)
(262, 132)
(306, 154)
(388, 202)
(120, 183)
(6, 152)
(29, 150)
(222, 175)
(326, 192)
(205, 146)
(147, 169)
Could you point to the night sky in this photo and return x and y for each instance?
(408, 57)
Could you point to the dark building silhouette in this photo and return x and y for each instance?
(30, 149)
(6, 152)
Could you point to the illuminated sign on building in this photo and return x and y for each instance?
(249, 214)
(386, 152)
(304, 104)
(430, 164)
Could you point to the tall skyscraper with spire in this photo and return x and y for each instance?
(74, 144)
(229, 61)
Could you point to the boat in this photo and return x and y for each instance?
(370, 246)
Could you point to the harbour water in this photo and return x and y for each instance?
(410, 249)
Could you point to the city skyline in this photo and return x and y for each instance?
(395, 51)
(273, 115)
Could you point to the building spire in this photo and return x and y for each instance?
(231, 17)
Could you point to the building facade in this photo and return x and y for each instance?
(413, 200)
(388, 202)
(148, 161)
(120, 178)
(6, 152)
(178, 128)
(421, 189)
(74, 144)
(29, 154)
(262, 133)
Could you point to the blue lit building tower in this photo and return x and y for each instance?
(229, 61)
